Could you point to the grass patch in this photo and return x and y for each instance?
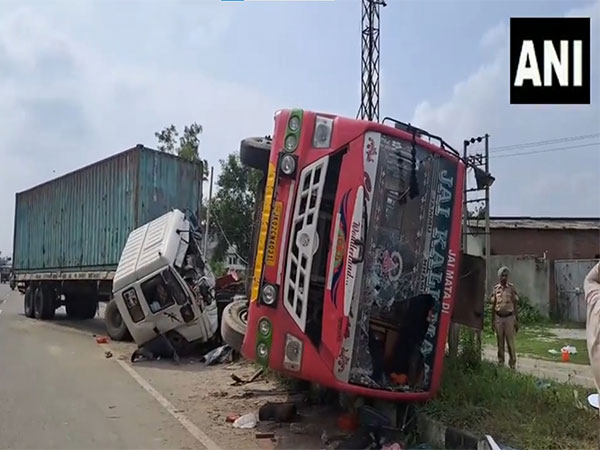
(514, 408)
(535, 342)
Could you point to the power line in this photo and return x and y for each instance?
(546, 150)
(545, 142)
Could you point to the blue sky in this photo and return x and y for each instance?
(80, 80)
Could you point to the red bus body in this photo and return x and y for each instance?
(359, 228)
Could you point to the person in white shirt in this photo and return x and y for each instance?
(591, 287)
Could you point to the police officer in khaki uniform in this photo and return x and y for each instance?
(505, 319)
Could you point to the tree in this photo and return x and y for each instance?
(186, 146)
(232, 208)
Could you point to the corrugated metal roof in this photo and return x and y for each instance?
(540, 223)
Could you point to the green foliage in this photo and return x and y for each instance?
(519, 410)
(529, 314)
(232, 208)
(186, 146)
(469, 349)
(218, 267)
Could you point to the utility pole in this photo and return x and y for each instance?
(208, 211)
(369, 107)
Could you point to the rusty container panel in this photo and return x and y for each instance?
(80, 221)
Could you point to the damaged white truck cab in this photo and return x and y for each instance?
(163, 286)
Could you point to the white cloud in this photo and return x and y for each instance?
(66, 103)
(559, 183)
(495, 36)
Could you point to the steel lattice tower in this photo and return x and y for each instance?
(369, 107)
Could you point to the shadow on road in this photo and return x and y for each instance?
(92, 326)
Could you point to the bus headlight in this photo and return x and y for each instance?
(294, 123)
(264, 327)
(287, 165)
(293, 353)
(322, 133)
(269, 294)
(291, 142)
(262, 351)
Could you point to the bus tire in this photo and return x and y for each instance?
(234, 324)
(115, 325)
(43, 303)
(255, 153)
(28, 302)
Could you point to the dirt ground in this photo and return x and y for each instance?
(208, 394)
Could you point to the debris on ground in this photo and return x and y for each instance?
(246, 421)
(348, 422)
(569, 349)
(305, 428)
(553, 351)
(154, 350)
(219, 355)
(264, 435)
(237, 380)
(232, 417)
(279, 412)
(101, 340)
(542, 384)
(594, 401)
(392, 446)
(108, 354)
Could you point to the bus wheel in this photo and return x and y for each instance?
(28, 302)
(255, 153)
(115, 325)
(234, 324)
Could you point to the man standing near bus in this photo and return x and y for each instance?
(505, 319)
(591, 287)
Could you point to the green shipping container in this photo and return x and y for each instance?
(80, 221)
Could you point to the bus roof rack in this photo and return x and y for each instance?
(421, 134)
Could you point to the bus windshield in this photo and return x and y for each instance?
(405, 264)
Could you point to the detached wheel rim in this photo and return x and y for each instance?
(243, 316)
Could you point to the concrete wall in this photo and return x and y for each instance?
(529, 274)
(556, 244)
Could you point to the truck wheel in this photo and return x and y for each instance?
(255, 153)
(81, 307)
(43, 303)
(28, 302)
(234, 324)
(115, 325)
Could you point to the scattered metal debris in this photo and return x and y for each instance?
(219, 355)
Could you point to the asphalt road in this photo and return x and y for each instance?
(58, 391)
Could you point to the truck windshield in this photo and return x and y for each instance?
(162, 291)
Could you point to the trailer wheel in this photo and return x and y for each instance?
(234, 324)
(43, 303)
(255, 153)
(81, 307)
(28, 302)
(115, 325)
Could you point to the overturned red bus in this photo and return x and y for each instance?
(355, 262)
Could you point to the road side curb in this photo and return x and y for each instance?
(440, 436)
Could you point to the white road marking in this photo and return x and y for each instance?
(0, 311)
(200, 436)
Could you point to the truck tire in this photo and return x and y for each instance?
(43, 303)
(81, 307)
(28, 302)
(255, 153)
(234, 324)
(115, 325)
